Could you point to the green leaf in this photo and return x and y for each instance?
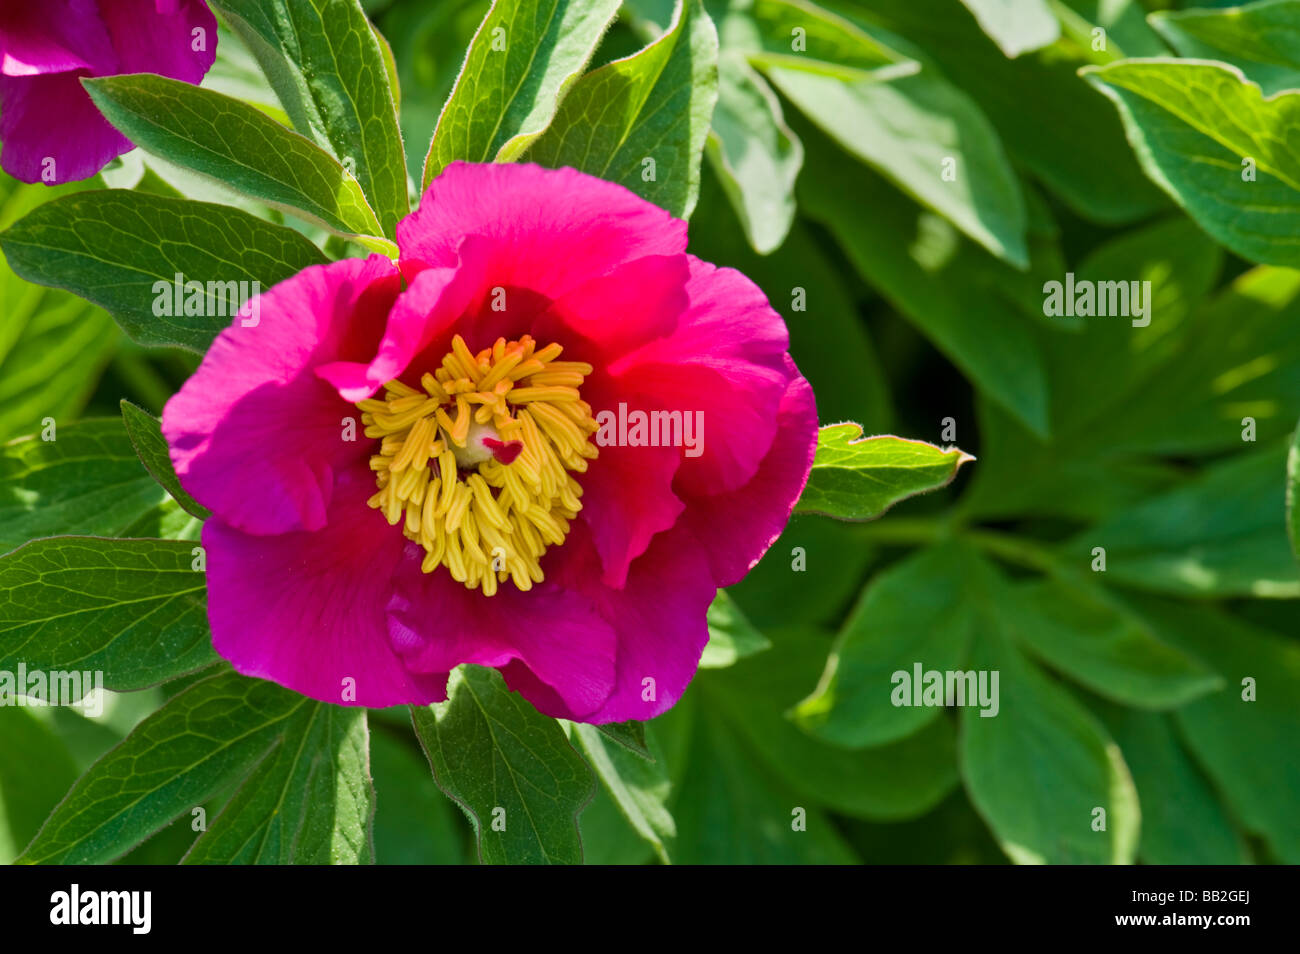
(915, 614)
(144, 431)
(327, 68)
(215, 731)
(1244, 736)
(1183, 265)
(235, 73)
(1039, 769)
(522, 61)
(1216, 389)
(88, 480)
(114, 247)
(1022, 474)
(1076, 472)
(730, 810)
(913, 129)
(235, 144)
(756, 156)
(134, 609)
(859, 478)
(1127, 32)
(1017, 26)
(53, 349)
(1219, 534)
(36, 771)
(979, 312)
(731, 635)
(1260, 39)
(52, 346)
(415, 824)
(802, 35)
(506, 765)
(1085, 161)
(898, 780)
(653, 105)
(308, 801)
(630, 735)
(1236, 177)
(1184, 823)
(1077, 631)
(639, 787)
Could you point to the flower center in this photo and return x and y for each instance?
(476, 463)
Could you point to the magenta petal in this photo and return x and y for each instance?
(162, 39)
(50, 118)
(550, 230)
(726, 360)
(624, 309)
(660, 619)
(436, 624)
(427, 310)
(627, 497)
(53, 36)
(255, 435)
(735, 529)
(307, 609)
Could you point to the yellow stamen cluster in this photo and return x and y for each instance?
(484, 520)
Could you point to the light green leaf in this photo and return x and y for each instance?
(921, 132)
(1220, 534)
(1217, 146)
(1039, 769)
(912, 619)
(215, 731)
(88, 480)
(1077, 631)
(522, 61)
(801, 35)
(1260, 39)
(113, 247)
(1016, 26)
(639, 787)
(754, 153)
(235, 144)
(1085, 161)
(731, 635)
(144, 431)
(859, 478)
(134, 609)
(308, 801)
(1126, 31)
(328, 70)
(654, 105)
(510, 767)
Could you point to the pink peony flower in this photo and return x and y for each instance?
(412, 470)
(50, 129)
